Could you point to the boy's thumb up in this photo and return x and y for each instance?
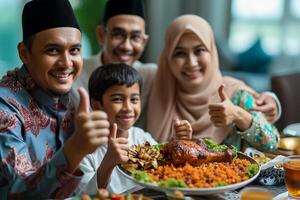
(222, 93)
(113, 131)
(176, 122)
(84, 103)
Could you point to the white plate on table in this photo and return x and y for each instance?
(292, 130)
(197, 191)
(282, 196)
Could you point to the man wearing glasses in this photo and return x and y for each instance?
(123, 39)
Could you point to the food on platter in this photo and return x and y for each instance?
(206, 175)
(195, 153)
(191, 164)
(261, 159)
(143, 156)
(104, 195)
(272, 172)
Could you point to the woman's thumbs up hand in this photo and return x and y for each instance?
(223, 113)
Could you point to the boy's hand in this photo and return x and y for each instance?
(117, 151)
(183, 129)
(267, 105)
(222, 114)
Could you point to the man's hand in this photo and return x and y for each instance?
(183, 129)
(91, 131)
(117, 151)
(267, 105)
(91, 128)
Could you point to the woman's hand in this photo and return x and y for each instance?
(266, 104)
(226, 113)
(183, 129)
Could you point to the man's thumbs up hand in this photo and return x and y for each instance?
(91, 127)
(84, 103)
(91, 131)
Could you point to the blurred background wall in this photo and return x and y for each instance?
(256, 38)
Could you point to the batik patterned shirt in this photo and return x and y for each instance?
(261, 134)
(33, 127)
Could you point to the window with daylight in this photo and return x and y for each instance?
(275, 22)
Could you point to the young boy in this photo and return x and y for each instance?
(116, 89)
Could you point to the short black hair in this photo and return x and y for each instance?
(106, 76)
(29, 41)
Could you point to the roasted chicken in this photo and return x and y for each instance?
(195, 153)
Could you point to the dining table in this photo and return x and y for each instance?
(228, 195)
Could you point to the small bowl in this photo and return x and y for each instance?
(270, 174)
(290, 143)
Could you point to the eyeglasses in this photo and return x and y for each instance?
(136, 38)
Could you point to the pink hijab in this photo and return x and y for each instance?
(168, 101)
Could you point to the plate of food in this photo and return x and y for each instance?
(271, 172)
(198, 167)
(104, 194)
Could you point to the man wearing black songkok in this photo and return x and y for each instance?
(123, 39)
(40, 149)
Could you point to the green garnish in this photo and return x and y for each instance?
(158, 146)
(128, 197)
(142, 176)
(214, 146)
(171, 182)
(145, 178)
(234, 149)
(252, 170)
(220, 183)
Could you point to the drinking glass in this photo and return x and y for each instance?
(291, 167)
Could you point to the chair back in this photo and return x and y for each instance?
(287, 88)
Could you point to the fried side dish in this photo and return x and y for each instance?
(143, 156)
(195, 153)
(103, 194)
(261, 159)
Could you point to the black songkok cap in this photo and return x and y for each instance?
(40, 15)
(123, 7)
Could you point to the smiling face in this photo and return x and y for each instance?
(190, 61)
(54, 61)
(122, 105)
(124, 39)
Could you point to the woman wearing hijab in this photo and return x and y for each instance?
(189, 85)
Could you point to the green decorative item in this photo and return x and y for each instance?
(89, 14)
